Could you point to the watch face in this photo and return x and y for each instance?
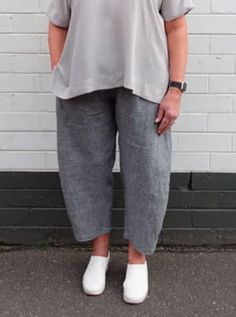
(182, 86)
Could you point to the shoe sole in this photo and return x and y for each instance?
(134, 301)
(88, 292)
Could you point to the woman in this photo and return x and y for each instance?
(117, 66)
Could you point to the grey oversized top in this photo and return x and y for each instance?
(113, 43)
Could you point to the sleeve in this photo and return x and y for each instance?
(172, 9)
(59, 12)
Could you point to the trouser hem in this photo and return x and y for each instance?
(137, 247)
(95, 234)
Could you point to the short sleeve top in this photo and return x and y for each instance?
(114, 43)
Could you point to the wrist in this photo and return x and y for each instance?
(175, 91)
(176, 86)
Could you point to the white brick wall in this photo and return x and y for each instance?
(204, 136)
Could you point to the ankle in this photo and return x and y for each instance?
(136, 260)
(134, 256)
(100, 252)
(101, 245)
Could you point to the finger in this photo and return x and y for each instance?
(160, 115)
(163, 125)
(166, 129)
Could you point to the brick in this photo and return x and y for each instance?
(221, 7)
(213, 180)
(211, 24)
(204, 142)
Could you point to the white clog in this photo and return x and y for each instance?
(94, 278)
(135, 285)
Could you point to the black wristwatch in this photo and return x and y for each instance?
(181, 85)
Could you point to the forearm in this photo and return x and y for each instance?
(56, 40)
(178, 51)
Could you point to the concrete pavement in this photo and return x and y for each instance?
(182, 282)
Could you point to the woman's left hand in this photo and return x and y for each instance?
(169, 110)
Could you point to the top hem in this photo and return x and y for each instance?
(137, 89)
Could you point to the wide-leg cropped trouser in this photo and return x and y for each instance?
(87, 126)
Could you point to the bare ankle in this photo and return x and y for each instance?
(134, 256)
(136, 260)
(101, 245)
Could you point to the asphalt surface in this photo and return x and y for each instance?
(47, 282)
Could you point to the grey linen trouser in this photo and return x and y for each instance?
(86, 143)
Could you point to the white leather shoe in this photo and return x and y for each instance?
(94, 278)
(135, 285)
